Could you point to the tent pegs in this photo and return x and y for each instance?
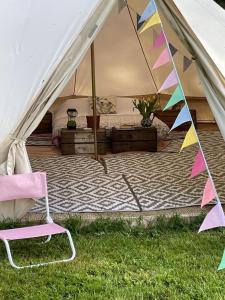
(94, 100)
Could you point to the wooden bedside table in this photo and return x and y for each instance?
(81, 141)
(134, 139)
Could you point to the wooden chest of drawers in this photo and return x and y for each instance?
(81, 141)
(134, 139)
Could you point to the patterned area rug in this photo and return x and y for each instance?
(155, 180)
(79, 184)
(160, 180)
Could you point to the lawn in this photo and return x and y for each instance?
(167, 260)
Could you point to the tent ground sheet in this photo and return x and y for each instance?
(132, 181)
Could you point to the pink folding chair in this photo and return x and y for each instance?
(32, 185)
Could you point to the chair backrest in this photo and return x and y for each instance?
(20, 186)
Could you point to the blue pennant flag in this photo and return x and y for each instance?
(148, 12)
(183, 117)
(139, 24)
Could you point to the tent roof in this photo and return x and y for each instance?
(207, 20)
(121, 68)
(34, 37)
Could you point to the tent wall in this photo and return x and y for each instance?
(59, 59)
(120, 65)
(200, 26)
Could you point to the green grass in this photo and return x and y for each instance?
(166, 260)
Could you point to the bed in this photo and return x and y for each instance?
(124, 116)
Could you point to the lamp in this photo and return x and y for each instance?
(72, 114)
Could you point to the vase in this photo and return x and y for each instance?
(90, 121)
(147, 122)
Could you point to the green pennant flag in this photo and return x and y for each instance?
(175, 98)
(222, 263)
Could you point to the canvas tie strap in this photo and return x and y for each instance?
(11, 158)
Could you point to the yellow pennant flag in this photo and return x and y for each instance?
(155, 19)
(190, 138)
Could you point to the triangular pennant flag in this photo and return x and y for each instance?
(209, 192)
(175, 98)
(155, 19)
(139, 24)
(215, 218)
(183, 117)
(170, 81)
(148, 12)
(199, 165)
(186, 63)
(190, 138)
(163, 59)
(159, 40)
(173, 50)
(222, 263)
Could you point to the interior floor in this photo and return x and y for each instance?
(132, 181)
(52, 150)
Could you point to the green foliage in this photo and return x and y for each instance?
(71, 124)
(167, 259)
(146, 105)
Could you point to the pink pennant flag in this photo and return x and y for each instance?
(209, 192)
(163, 59)
(199, 164)
(215, 218)
(170, 81)
(159, 41)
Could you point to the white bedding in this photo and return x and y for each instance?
(125, 116)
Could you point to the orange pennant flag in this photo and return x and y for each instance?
(190, 138)
(155, 19)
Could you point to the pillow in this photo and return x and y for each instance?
(104, 105)
(162, 128)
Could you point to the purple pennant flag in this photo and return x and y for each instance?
(139, 24)
(173, 50)
(215, 218)
(170, 81)
(148, 12)
(183, 117)
(159, 41)
(186, 63)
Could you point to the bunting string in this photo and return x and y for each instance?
(142, 49)
(215, 217)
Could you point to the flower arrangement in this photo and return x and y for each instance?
(147, 105)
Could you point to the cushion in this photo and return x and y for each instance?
(104, 105)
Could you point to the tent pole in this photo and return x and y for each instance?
(94, 99)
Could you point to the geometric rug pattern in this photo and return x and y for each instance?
(161, 180)
(157, 180)
(79, 184)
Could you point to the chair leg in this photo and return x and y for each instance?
(8, 250)
(72, 247)
(47, 240)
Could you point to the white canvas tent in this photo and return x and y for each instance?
(121, 68)
(43, 42)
